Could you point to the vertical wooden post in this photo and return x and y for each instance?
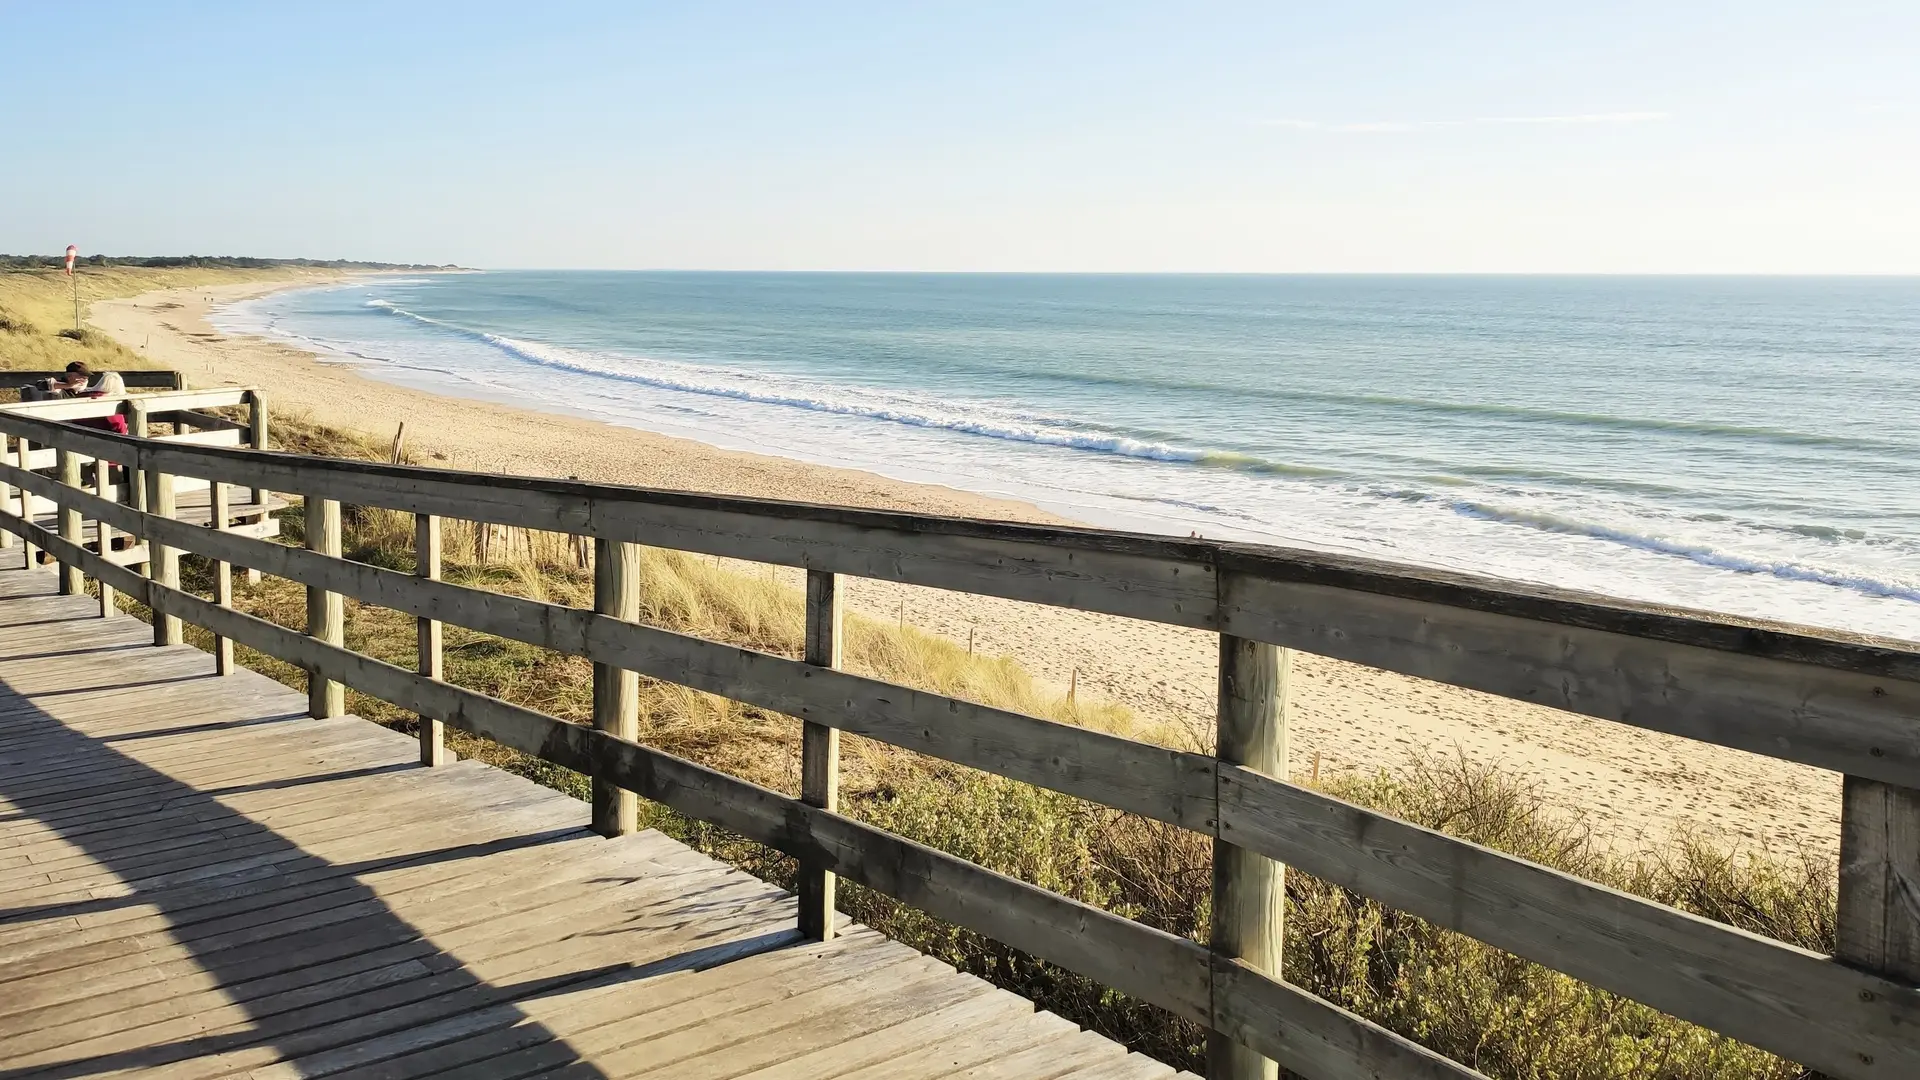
(221, 515)
(136, 480)
(257, 432)
(326, 613)
(426, 564)
(1878, 921)
(72, 582)
(1249, 890)
(820, 750)
(257, 439)
(165, 566)
(25, 461)
(6, 489)
(102, 475)
(616, 693)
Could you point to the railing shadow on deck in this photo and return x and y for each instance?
(346, 930)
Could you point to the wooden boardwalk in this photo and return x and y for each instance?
(197, 880)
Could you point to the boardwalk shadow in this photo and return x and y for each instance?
(294, 958)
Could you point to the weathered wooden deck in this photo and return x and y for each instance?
(198, 880)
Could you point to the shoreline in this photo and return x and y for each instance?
(1633, 786)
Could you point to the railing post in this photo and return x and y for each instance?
(1249, 890)
(136, 480)
(102, 475)
(820, 750)
(1877, 927)
(426, 564)
(616, 692)
(220, 497)
(72, 583)
(257, 439)
(6, 489)
(25, 448)
(165, 561)
(326, 612)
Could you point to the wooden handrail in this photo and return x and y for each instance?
(135, 379)
(1828, 699)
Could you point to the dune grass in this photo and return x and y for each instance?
(36, 310)
(1508, 1017)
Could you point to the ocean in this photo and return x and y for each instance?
(1743, 445)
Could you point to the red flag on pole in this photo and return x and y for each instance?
(73, 253)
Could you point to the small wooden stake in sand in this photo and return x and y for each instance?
(903, 613)
(970, 631)
(399, 443)
(1316, 768)
(1073, 685)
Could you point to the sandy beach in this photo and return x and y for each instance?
(1630, 785)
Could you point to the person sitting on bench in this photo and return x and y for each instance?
(71, 384)
(108, 385)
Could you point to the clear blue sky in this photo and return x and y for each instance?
(1658, 137)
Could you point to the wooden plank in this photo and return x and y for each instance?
(1313, 1037)
(948, 1056)
(218, 519)
(326, 611)
(429, 638)
(339, 1033)
(23, 454)
(223, 437)
(62, 409)
(258, 422)
(7, 503)
(616, 691)
(966, 1018)
(103, 537)
(1852, 721)
(205, 421)
(71, 582)
(1878, 923)
(166, 560)
(139, 378)
(1249, 889)
(820, 748)
(1780, 998)
(825, 1017)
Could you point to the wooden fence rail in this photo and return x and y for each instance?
(1851, 704)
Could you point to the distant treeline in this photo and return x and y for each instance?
(231, 262)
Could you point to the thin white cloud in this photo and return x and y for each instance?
(1388, 126)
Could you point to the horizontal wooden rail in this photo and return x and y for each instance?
(201, 420)
(1828, 700)
(139, 378)
(1840, 704)
(166, 406)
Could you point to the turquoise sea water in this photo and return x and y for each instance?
(1740, 444)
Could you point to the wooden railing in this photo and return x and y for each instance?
(137, 379)
(1850, 705)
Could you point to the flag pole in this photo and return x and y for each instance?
(73, 254)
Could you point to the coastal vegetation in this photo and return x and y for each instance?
(37, 331)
